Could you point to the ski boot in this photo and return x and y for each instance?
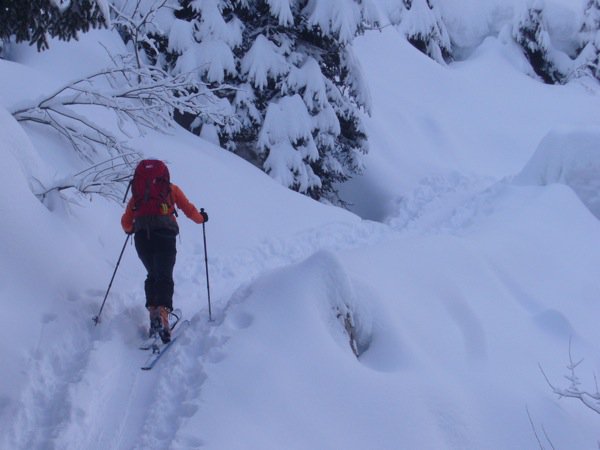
(159, 323)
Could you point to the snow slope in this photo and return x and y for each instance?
(482, 117)
(475, 278)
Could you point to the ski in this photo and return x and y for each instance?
(159, 349)
(174, 318)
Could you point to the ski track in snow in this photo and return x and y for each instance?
(178, 389)
(71, 394)
(45, 406)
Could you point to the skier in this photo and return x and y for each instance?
(150, 215)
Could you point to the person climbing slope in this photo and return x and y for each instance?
(151, 215)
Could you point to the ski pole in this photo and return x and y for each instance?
(97, 318)
(206, 266)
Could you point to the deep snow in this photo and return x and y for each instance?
(483, 265)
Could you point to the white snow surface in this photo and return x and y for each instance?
(571, 157)
(475, 264)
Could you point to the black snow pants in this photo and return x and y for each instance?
(157, 251)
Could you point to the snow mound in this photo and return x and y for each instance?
(571, 157)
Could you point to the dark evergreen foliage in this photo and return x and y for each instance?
(531, 35)
(34, 20)
(589, 50)
(339, 155)
(423, 25)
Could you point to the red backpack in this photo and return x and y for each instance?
(152, 200)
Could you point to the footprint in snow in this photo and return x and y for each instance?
(49, 317)
(239, 320)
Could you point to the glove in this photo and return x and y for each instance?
(204, 216)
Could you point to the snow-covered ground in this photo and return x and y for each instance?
(470, 262)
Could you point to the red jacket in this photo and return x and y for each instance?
(179, 200)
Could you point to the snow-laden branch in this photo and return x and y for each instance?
(136, 22)
(108, 179)
(573, 390)
(143, 98)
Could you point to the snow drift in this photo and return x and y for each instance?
(569, 156)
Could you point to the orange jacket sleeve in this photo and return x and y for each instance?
(185, 205)
(127, 217)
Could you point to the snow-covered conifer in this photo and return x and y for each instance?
(322, 71)
(201, 40)
(588, 60)
(36, 20)
(591, 21)
(422, 24)
(287, 143)
(293, 60)
(531, 34)
(204, 39)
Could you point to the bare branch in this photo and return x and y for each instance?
(138, 97)
(535, 433)
(136, 24)
(143, 98)
(108, 178)
(592, 401)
